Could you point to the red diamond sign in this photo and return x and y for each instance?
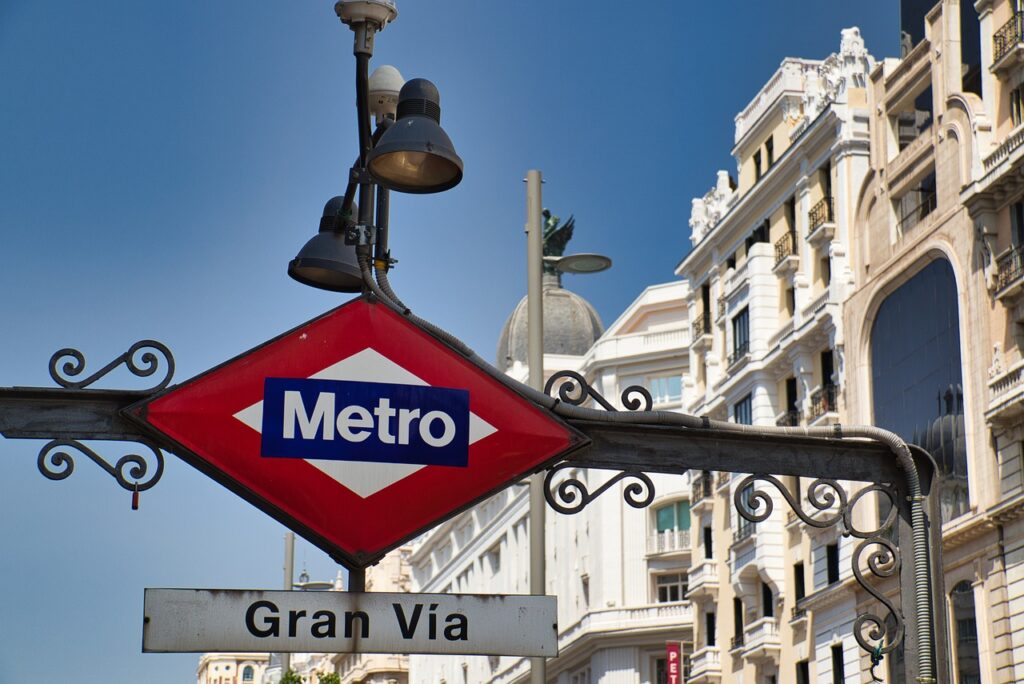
(358, 430)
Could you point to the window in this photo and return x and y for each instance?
(709, 628)
(916, 376)
(247, 674)
(670, 587)
(1017, 222)
(669, 388)
(799, 589)
(673, 516)
(737, 622)
(767, 601)
(916, 204)
(789, 301)
(769, 151)
(744, 527)
(803, 672)
(965, 632)
(743, 411)
(581, 676)
(740, 335)
(1016, 108)
(730, 261)
(838, 671)
(708, 551)
(757, 166)
(832, 563)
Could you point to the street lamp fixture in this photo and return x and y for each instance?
(327, 261)
(578, 263)
(415, 154)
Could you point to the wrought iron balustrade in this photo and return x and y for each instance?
(1010, 268)
(785, 246)
(790, 418)
(1008, 36)
(823, 400)
(744, 529)
(737, 642)
(739, 351)
(798, 613)
(702, 488)
(702, 325)
(820, 214)
(916, 214)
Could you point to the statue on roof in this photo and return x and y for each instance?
(556, 236)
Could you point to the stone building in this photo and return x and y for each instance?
(619, 573)
(768, 273)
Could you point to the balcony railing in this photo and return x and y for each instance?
(1010, 267)
(702, 488)
(915, 215)
(1008, 36)
(702, 325)
(823, 400)
(788, 419)
(820, 213)
(785, 246)
(736, 642)
(668, 541)
(798, 613)
(744, 529)
(738, 352)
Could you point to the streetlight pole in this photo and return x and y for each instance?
(535, 358)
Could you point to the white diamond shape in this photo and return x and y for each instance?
(362, 477)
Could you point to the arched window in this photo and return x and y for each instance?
(916, 375)
(965, 634)
(247, 674)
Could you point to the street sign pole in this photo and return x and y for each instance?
(535, 358)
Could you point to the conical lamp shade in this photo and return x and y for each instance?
(328, 263)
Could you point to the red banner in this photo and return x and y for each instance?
(674, 661)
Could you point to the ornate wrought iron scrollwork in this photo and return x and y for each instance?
(874, 634)
(572, 496)
(574, 389)
(143, 359)
(131, 471)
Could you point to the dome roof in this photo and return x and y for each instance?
(571, 326)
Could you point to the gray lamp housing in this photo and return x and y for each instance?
(326, 262)
(415, 154)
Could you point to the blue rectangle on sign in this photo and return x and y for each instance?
(365, 421)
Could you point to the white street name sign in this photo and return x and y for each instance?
(232, 620)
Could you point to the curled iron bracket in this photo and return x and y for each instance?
(563, 496)
(574, 389)
(131, 471)
(153, 355)
(875, 635)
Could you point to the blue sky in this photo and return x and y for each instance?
(161, 163)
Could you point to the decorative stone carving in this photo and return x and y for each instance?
(707, 211)
(997, 361)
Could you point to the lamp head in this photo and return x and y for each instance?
(415, 154)
(325, 261)
(377, 12)
(385, 84)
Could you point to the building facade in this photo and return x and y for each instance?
(769, 270)
(619, 573)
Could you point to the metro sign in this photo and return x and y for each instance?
(358, 430)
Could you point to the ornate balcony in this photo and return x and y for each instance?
(798, 614)
(786, 257)
(821, 222)
(668, 541)
(1008, 45)
(1006, 395)
(702, 488)
(1010, 272)
(736, 642)
(702, 580)
(788, 419)
(823, 401)
(705, 666)
(762, 640)
(701, 325)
